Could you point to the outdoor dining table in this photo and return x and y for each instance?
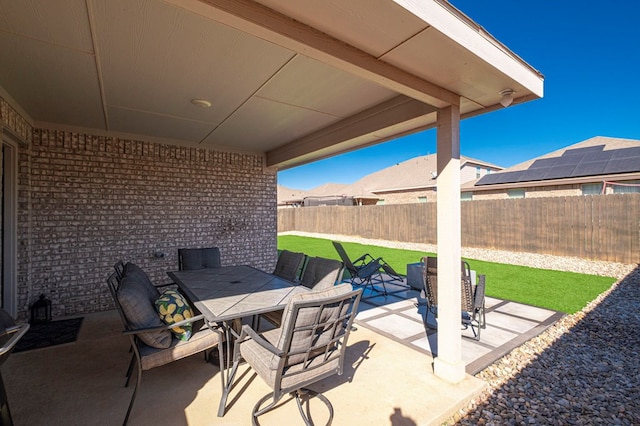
(226, 295)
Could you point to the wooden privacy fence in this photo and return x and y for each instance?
(605, 227)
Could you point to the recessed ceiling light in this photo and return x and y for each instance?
(202, 103)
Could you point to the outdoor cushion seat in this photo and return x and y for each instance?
(289, 265)
(140, 312)
(141, 278)
(319, 274)
(310, 346)
(200, 340)
(198, 258)
(152, 346)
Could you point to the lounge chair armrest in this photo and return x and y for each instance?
(478, 297)
(364, 259)
(164, 327)
(250, 332)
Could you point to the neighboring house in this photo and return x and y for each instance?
(600, 165)
(412, 181)
(288, 197)
(329, 194)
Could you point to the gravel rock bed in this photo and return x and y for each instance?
(583, 370)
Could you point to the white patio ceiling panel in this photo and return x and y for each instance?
(156, 58)
(303, 97)
(295, 80)
(312, 85)
(279, 122)
(49, 67)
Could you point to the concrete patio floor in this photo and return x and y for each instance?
(82, 384)
(509, 324)
(388, 375)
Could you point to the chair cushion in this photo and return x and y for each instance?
(265, 364)
(288, 265)
(172, 308)
(303, 339)
(199, 258)
(142, 279)
(141, 313)
(201, 340)
(321, 273)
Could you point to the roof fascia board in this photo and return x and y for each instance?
(460, 28)
(260, 21)
(389, 113)
(408, 188)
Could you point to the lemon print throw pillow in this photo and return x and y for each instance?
(173, 308)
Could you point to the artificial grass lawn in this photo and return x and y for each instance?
(560, 291)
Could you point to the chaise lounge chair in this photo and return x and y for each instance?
(366, 270)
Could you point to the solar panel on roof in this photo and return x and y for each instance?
(489, 179)
(588, 161)
(582, 151)
(533, 174)
(626, 153)
(622, 165)
(589, 169)
(597, 156)
(559, 172)
(543, 163)
(511, 177)
(571, 159)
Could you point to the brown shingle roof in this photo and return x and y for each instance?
(418, 172)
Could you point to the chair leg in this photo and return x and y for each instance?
(133, 397)
(257, 411)
(302, 396)
(130, 369)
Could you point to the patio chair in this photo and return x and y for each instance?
(473, 306)
(366, 270)
(310, 346)
(10, 334)
(119, 268)
(154, 342)
(319, 274)
(198, 258)
(289, 265)
(472, 299)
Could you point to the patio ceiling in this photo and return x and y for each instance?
(297, 81)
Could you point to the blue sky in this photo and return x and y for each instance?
(589, 54)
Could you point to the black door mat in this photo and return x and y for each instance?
(43, 335)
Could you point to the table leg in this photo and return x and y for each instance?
(232, 332)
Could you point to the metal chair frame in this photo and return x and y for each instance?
(472, 300)
(338, 328)
(132, 333)
(366, 270)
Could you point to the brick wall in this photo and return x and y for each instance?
(86, 201)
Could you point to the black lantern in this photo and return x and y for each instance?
(41, 310)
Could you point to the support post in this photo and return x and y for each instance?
(448, 365)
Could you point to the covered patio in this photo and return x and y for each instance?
(83, 383)
(133, 128)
